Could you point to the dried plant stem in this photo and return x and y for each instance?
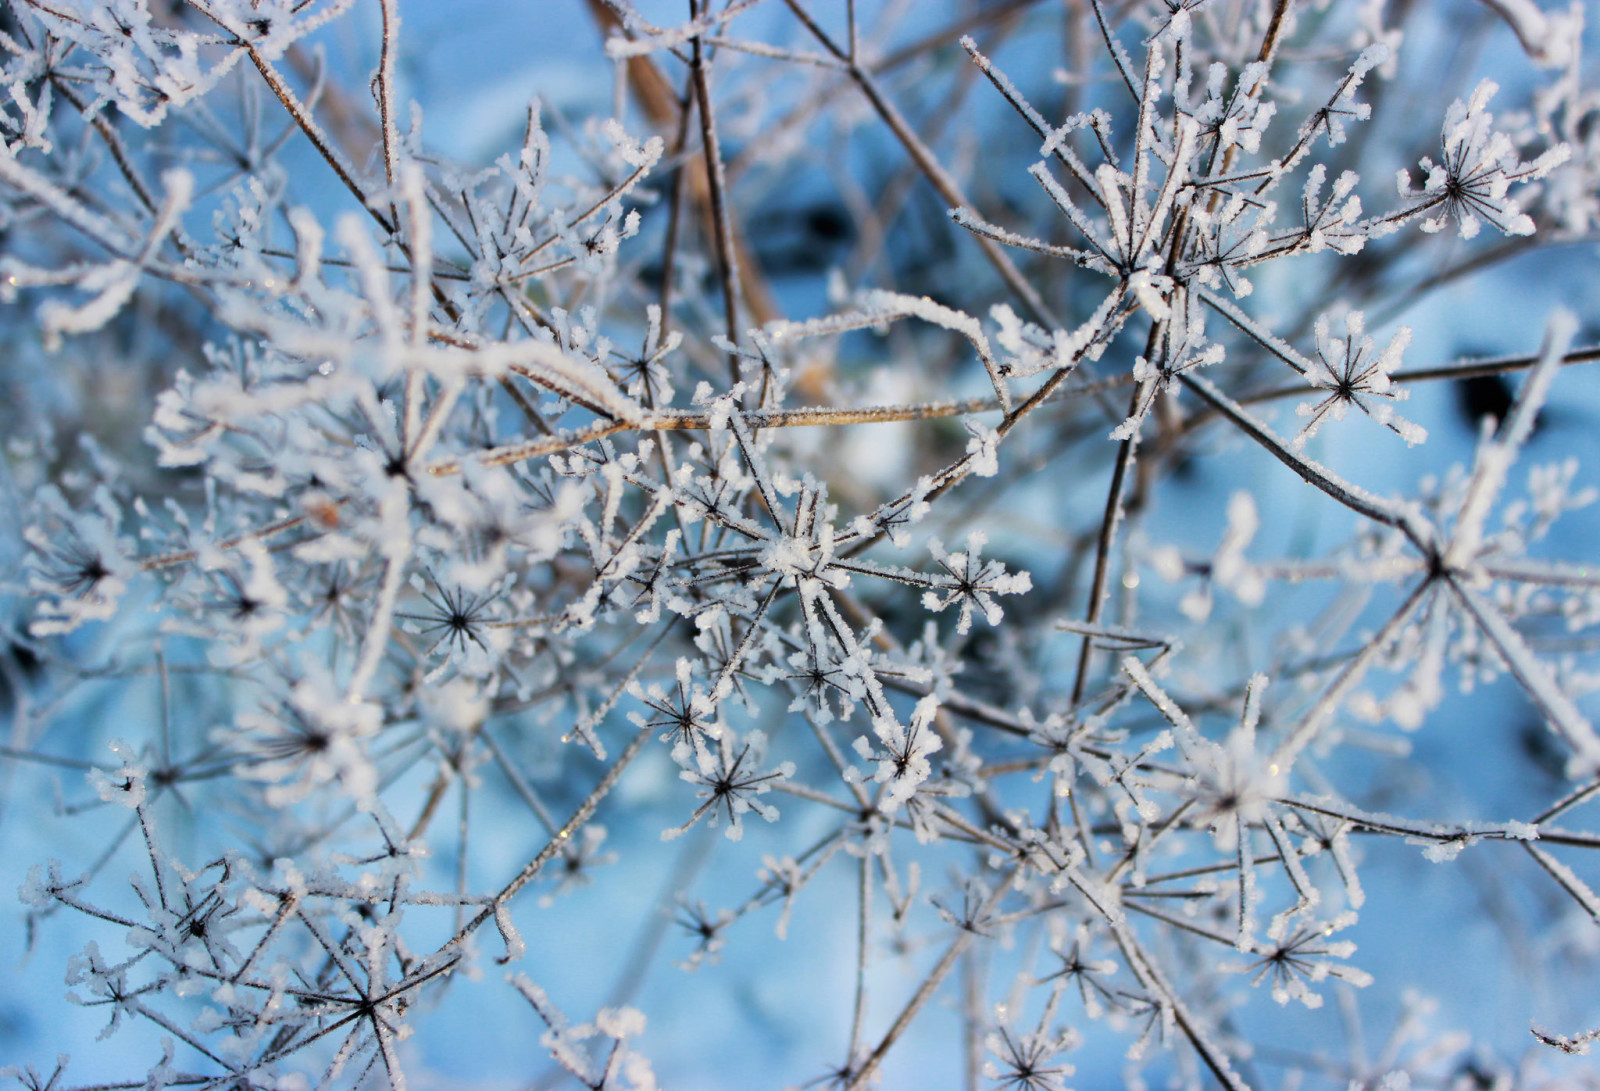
(930, 984)
(716, 182)
(579, 819)
(935, 172)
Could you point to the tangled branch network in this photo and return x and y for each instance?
(844, 544)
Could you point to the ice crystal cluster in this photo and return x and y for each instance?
(994, 506)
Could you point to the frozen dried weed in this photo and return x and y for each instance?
(465, 467)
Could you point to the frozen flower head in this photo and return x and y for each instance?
(1028, 1061)
(1353, 373)
(126, 784)
(903, 752)
(1471, 182)
(598, 1053)
(687, 715)
(972, 583)
(1233, 786)
(1308, 957)
(731, 784)
(461, 624)
(78, 565)
(240, 599)
(310, 737)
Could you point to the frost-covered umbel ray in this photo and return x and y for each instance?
(857, 499)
